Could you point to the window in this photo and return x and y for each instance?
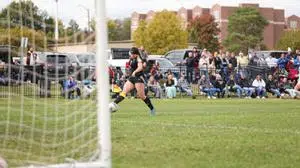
(216, 15)
(86, 58)
(165, 63)
(293, 24)
(120, 53)
(60, 59)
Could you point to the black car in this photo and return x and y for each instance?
(57, 66)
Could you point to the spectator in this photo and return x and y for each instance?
(218, 62)
(272, 86)
(242, 61)
(220, 85)
(203, 65)
(233, 60)
(196, 56)
(204, 53)
(211, 64)
(170, 87)
(259, 85)
(282, 61)
(72, 87)
(184, 86)
(230, 71)
(292, 71)
(232, 86)
(154, 87)
(288, 87)
(255, 60)
(271, 62)
(206, 86)
(118, 74)
(246, 86)
(297, 62)
(190, 67)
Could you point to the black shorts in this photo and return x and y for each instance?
(134, 79)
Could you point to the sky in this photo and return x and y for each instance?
(72, 9)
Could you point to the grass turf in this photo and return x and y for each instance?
(185, 133)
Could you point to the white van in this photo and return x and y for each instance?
(118, 57)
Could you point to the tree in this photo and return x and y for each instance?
(31, 16)
(139, 35)
(289, 39)
(124, 32)
(112, 30)
(204, 31)
(117, 29)
(162, 34)
(245, 30)
(13, 37)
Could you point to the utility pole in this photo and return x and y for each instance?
(88, 15)
(56, 26)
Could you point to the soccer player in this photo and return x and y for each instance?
(136, 80)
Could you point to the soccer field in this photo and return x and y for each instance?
(185, 133)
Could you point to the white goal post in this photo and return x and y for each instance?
(103, 158)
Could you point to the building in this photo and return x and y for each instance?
(293, 22)
(272, 32)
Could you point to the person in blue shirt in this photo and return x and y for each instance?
(282, 61)
(72, 86)
(297, 62)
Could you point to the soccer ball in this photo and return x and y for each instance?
(113, 107)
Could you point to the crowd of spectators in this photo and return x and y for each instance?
(224, 74)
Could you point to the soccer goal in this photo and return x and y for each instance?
(54, 85)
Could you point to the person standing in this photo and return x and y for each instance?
(190, 67)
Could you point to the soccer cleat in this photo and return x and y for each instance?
(152, 112)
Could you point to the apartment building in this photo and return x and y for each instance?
(272, 32)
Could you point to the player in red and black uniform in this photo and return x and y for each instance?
(136, 80)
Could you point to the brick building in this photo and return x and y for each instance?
(293, 22)
(272, 33)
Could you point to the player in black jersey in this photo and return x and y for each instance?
(136, 80)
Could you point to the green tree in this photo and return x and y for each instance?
(204, 31)
(162, 34)
(13, 37)
(139, 35)
(289, 39)
(245, 30)
(125, 29)
(112, 30)
(30, 17)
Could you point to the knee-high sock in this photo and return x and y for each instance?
(120, 97)
(149, 104)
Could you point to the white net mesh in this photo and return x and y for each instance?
(45, 117)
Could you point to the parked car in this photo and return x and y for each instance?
(7, 53)
(118, 57)
(57, 65)
(84, 64)
(266, 58)
(164, 65)
(178, 56)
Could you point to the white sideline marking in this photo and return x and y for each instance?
(250, 129)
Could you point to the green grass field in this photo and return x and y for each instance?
(185, 133)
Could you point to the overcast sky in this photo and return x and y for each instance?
(69, 9)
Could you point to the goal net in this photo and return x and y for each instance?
(52, 71)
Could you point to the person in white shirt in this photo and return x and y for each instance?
(260, 87)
